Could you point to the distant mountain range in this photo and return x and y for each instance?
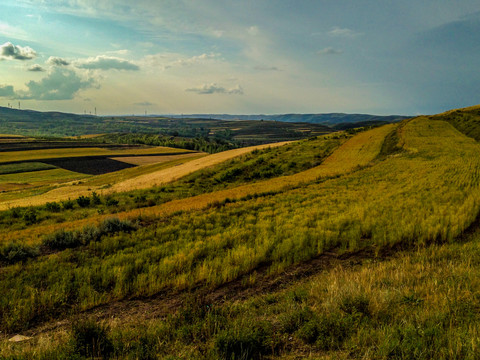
(329, 119)
(29, 122)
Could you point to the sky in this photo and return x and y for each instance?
(122, 57)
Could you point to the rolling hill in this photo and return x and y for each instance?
(329, 119)
(346, 245)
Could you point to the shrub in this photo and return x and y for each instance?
(83, 201)
(52, 207)
(87, 234)
(15, 212)
(327, 332)
(61, 240)
(90, 339)
(111, 201)
(68, 204)
(14, 252)
(30, 216)
(96, 199)
(113, 225)
(356, 305)
(245, 343)
(291, 322)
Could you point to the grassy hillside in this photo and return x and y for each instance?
(381, 224)
(466, 120)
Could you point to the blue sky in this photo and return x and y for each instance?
(233, 56)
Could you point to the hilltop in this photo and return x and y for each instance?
(358, 244)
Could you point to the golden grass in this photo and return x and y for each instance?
(360, 150)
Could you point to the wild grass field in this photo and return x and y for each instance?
(360, 245)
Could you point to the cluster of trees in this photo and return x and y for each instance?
(204, 143)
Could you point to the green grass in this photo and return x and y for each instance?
(261, 165)
(24, 167)
(418, 305)
(42, 176)
(433, 197)
(422, 189)
(465, 120)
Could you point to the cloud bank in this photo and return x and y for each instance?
(103, 62)
(59, 84)
(57, 61)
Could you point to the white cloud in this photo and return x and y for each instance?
(36, 68)
(57, 61)
(343, 32)
(59, 84)
(329, 51)
(16, 52)
(208, 89)
(104, 62)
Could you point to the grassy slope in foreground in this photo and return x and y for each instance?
(418, 305)
(433, 197)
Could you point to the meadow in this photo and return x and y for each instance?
(363, 245)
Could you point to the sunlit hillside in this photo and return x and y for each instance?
(358, 244)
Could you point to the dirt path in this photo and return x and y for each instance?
(167, 302)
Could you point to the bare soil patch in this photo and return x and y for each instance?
(89, 165)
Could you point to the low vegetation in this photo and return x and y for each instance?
(390, 215)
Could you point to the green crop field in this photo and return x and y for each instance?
(361, 244)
